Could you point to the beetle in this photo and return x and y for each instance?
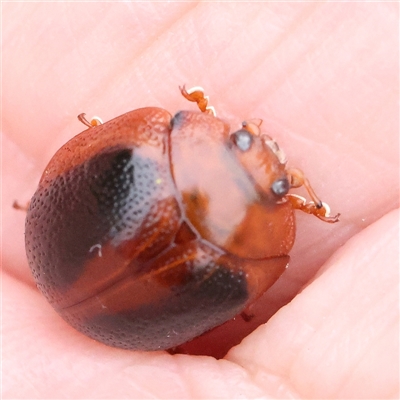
(151, 229)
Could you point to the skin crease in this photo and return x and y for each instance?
(324, 77)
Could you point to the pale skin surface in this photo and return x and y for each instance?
(324, 78)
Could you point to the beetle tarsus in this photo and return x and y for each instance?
(322, 212)
(95, 121)
(316, 206)
(20, 207)
(196, 94)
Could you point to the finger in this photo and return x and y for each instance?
(339, 337)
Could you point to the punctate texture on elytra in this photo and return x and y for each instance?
(149, 230)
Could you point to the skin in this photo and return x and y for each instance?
(324, 77)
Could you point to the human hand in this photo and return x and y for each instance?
(324, 78)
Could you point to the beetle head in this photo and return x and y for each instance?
(262, 158)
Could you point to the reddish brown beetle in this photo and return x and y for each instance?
(149, 230)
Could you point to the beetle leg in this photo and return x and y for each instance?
(246, 316)
(196, 94)
(316, 207)
(321, 212)
(95, 121)
(297, 179)
(20, 207)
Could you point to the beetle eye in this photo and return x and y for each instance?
(243, 139)
(280, 187)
